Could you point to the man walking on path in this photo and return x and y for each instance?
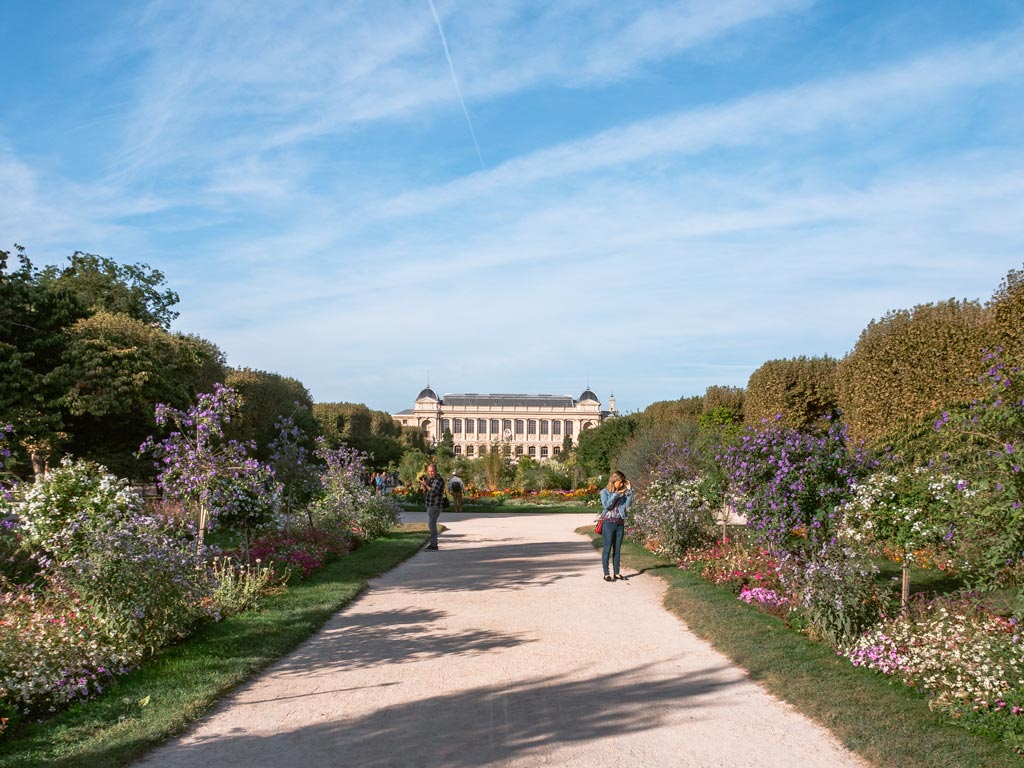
(433, 495)
(456, 487)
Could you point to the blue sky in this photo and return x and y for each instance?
(667, 194)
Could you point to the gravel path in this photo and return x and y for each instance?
(504, 648)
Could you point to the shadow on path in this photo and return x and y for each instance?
(368, 639)
(480, 726)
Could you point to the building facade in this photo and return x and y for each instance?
(524, 425)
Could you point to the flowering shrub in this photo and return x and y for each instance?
(990, 519)
(72, 502)
(239, 586)
(834, 592)
(792, 481)
(53, 651)
(910, 513)
(211, 476)
(140, 574)
(301, 552)
(672, 516)
(963, 657)
(292, 466)
(346, 501)
(736, 565)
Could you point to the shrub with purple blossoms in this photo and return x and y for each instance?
(834, 592)
(990, 519)
(213, 477)
(139, 573)
(345, 501)
(791, 482)
(672, 516)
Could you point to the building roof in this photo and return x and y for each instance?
(588, 395)
(406, 412)
(475, 400)
(427, 393)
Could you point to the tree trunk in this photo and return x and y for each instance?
(905, 593)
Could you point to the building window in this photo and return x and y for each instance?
(568, 427)
(481, 426)
(506, 449)
(446, 425)
(457, 426)
(469, 450)
(458, 449)
(519, 426)
(557, 449)
(533, 450)
(531, 427)
(506, 424)
(469, 426)
(543, 426)
(543, 451)
(556, 427)
(519, 450)
(495, 429)
(405, 421)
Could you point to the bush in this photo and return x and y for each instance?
(802, 390)
(141, 574)
(909, 364)
(791, 481)
(53, 651)
(72, 503)
(672, 516)
(834, 592)
(954, 650)
(239, 586)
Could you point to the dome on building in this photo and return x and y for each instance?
(427, 394)
(588, 396)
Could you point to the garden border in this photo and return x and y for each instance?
(173, 689)
(880, 720)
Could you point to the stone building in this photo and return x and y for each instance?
(530, 425)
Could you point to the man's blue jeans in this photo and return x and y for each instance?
(612, 533)
(432, 514)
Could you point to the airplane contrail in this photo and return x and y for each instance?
(458, 90)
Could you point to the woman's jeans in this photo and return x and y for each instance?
(612, 533)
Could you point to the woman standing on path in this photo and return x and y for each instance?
(615, 501)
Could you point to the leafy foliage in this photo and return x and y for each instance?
(909, 364)
(801, 390)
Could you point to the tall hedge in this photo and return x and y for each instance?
(801, 389)
(685, 409)
(267, 397)
(910, 364)
(724, 397)
(1007, 308)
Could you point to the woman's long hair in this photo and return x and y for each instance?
(615, 476)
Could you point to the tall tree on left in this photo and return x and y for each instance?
(33, 317)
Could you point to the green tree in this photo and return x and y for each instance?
(374, 432)
(115, 370)
(32, 321)
(267, 398)
(599, 446)
(100, 284)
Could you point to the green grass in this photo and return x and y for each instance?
(887, 724)
(174, 688)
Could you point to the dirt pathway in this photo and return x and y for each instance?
(505, 648)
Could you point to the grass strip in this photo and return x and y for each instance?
(881, 720)
(174, 688)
